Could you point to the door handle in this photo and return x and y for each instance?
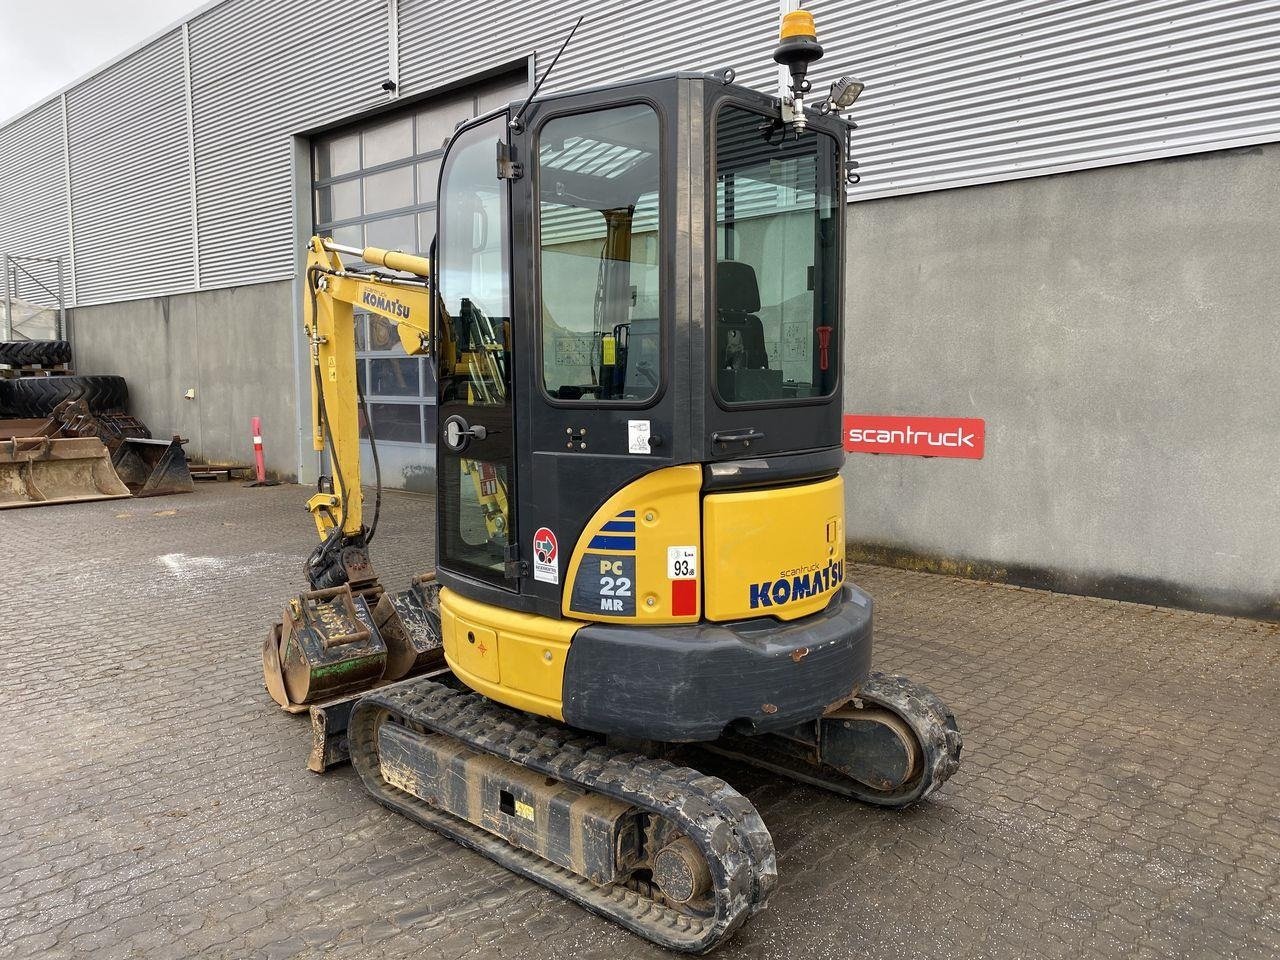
(744, 436)
(457, 434)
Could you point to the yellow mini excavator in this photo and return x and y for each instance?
(634, 308)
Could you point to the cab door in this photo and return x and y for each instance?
(598, 203)
(475, 460)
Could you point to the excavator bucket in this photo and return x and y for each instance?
(326, 646)
(332, 648)
(153, 468)
(410, 626)
(41, 470)
(28, 427)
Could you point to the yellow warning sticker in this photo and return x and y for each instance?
(524, 810)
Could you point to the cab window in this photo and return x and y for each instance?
(777, 272)
(599, 219)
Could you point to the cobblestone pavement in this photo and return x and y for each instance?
(1118, 795)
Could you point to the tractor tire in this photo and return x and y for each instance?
(37, 396)
(34, 353)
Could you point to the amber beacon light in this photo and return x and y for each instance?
(798, 47)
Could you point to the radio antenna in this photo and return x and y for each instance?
(516, 123)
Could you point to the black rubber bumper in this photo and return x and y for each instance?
(690, 683)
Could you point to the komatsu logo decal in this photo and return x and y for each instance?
(384, 304)
(797, 584)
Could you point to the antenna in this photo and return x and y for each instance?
(516, 123)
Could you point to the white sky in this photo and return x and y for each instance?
(46, 44)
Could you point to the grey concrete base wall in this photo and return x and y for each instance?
(234, 347)
(1119, 331)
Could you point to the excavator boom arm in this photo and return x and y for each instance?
(333, 294)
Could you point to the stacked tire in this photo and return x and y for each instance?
(33, 397)
(35, 353)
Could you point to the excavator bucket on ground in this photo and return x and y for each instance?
(153, 468)
(28, 427)
(149, 468)
(335, 645)
(41, 470)
(338, 641)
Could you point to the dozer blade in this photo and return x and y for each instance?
(41, 470)
(153, 468)
(326, 647)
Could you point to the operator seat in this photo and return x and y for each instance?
(739, 332)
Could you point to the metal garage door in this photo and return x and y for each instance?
(374, 184)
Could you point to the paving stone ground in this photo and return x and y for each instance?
(1118, 795)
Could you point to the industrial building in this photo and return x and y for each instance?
(1064, 227)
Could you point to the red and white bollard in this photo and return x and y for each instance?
(262, 480)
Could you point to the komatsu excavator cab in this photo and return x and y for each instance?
(635, 309)
(640, 409)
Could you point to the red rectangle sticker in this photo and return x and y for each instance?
(962, 437)
(684, 598)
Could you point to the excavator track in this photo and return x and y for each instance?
(932, 724)
(672, 801)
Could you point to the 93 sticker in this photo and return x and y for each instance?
(682, 563)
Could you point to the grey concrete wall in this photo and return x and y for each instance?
(1118, 330)
(234, 347)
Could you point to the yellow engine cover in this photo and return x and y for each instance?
(776, 552)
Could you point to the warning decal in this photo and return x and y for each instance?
(546, 556)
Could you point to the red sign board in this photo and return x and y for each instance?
(915, 436)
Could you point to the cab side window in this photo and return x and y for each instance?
(599, 197)
(777, 272)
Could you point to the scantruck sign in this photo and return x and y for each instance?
(962, 437)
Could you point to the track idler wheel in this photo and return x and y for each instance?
(681, 871)
(871, 744)
(891, 745)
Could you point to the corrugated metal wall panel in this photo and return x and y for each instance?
(127, 135)
(973, 91)
(262, 70)
(33, 198)
(959, 92)
(617, 42)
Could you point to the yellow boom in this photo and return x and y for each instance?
(333, 293)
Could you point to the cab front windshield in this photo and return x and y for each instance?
(777, 276)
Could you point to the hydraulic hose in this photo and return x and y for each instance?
(377, 467)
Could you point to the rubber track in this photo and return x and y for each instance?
(724, 825)
(35, 353)
(919, 707)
